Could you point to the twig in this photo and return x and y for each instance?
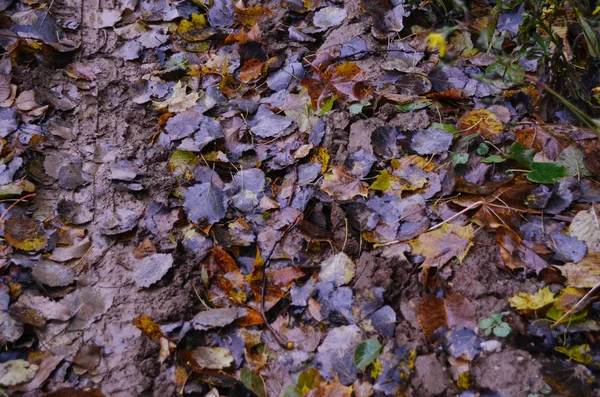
(577, 305)
(474, 205)
(15, 203)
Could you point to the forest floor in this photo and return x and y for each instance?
(298, 199)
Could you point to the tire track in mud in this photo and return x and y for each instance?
(109, 128)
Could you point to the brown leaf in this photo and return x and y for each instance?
(25, 234)
(284, 277)
(251, 70)
(343, 185)
(431, 314)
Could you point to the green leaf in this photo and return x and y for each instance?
(459, 158)
(357, 108)
(326, 106)
(485, 323)
(366, 352)
(497, 318)
(292, 391)
(502, 330)
(572, 159)
(554, 314)
(546, 172)
(446, 127)
(513, 73)
(521, 154)
(579, 353)
(488, 331)
(407, 107)
(253, 382)
(483, 149)
(495, 158)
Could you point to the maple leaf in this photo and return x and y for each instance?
(532, 302)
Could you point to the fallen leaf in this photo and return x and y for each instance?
(482, 122)
(149, 328)
(532, 302)
(151, 269)
(26, 234)
(212, 357)
(585, 227)
(213, 318)
(253, 382)
(15, 372)
(343, 185)
(443, 244)
(338, 269)
(585, 274)
(366, 352)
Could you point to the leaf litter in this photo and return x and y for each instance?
(226, 198)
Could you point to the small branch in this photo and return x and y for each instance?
(15, 203)
(578, 305)
(474, 205)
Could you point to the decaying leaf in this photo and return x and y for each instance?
(533, 302)
(586, 228)
(151, 269)
(149, 328)
(585, 274)
(26, 234)
(15, 372)
(455, 311)
(338, 269)
(482, 122)
(343, 184)
(443, 244)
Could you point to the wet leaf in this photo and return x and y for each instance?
(572, 159)
(579, 353)
(205, 203)
(546, 172)
(151, 269)
(455, 311)
(431, 141)
(253, 382)
(532, 302)
(26, 234)
(53, 274)
(267, 124)
(366, 352)
(217, 318)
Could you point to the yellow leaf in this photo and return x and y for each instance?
(149, 328)
(437, 40)
(482, 122)
(321, 155)
(524, 301)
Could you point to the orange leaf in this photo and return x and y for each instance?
(252, 69)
